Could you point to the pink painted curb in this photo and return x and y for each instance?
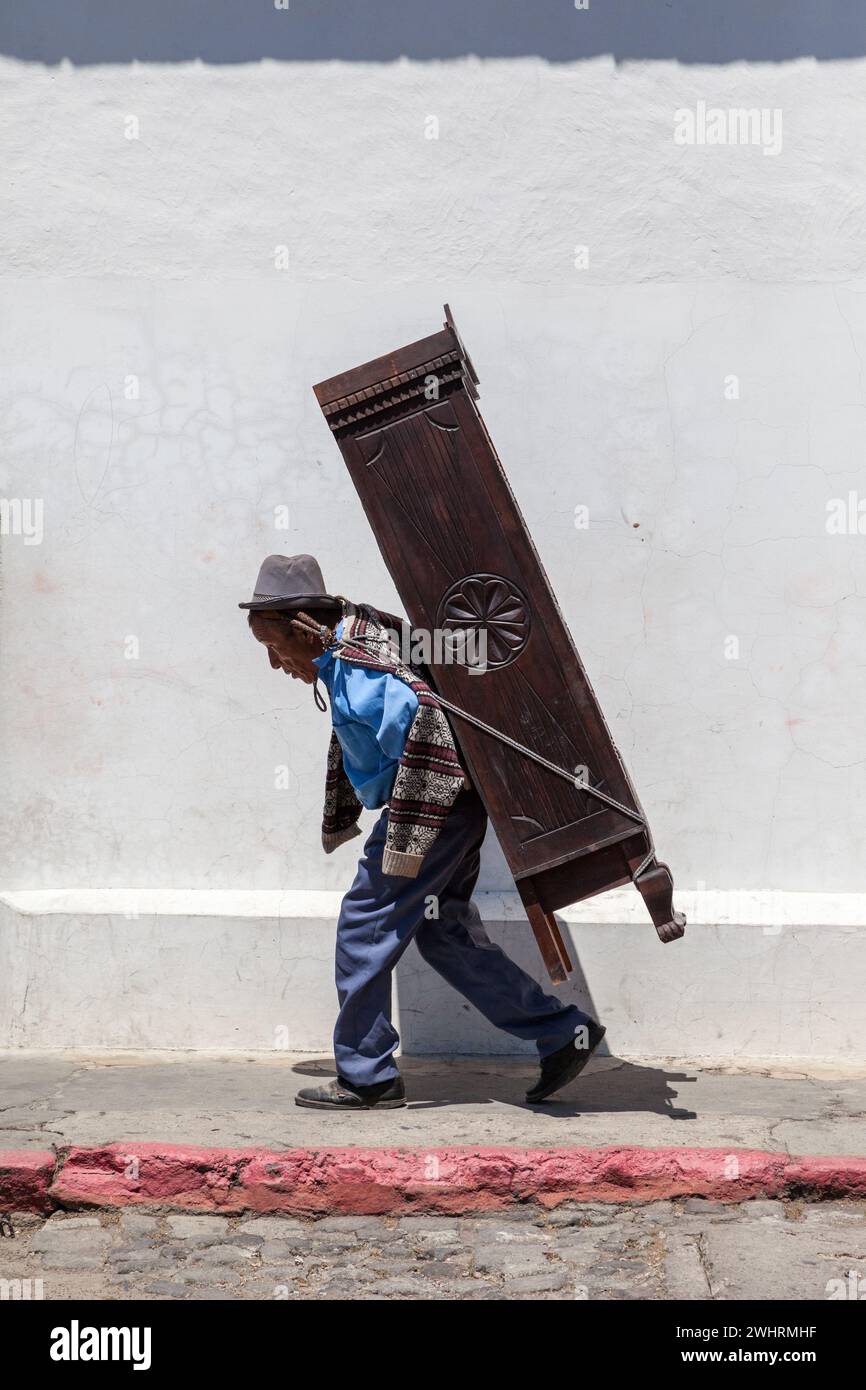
(25, 1176)
(380, 1181)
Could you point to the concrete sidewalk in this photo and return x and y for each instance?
(56, 1099)
(624, 1128)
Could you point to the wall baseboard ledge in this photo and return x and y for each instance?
(770, 909)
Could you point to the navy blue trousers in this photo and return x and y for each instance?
(381, 914)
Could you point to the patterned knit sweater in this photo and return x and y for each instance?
(429, 776)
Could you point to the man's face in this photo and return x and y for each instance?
(287, 649)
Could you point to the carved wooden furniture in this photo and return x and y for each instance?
(457, 547)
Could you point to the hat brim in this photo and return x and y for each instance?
(261, 605)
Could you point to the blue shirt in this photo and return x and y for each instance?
(372, 712)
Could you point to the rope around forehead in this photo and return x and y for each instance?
(308, 627)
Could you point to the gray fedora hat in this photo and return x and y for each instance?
(289, 581)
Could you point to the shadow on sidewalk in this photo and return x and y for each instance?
(608, 1086)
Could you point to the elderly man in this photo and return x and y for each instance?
(392, 748)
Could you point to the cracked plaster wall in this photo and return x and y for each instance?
(603, 387)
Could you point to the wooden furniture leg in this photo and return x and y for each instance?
(656, 887)
(546, 931)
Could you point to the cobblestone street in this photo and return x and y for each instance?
(691, 1249)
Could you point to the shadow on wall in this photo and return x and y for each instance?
(435, 1019)
(224, 31)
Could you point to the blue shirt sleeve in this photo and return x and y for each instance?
(372, 712)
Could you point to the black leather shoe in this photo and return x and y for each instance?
(563, 1066)
(340, 1095)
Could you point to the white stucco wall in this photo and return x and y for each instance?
(153, 258)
